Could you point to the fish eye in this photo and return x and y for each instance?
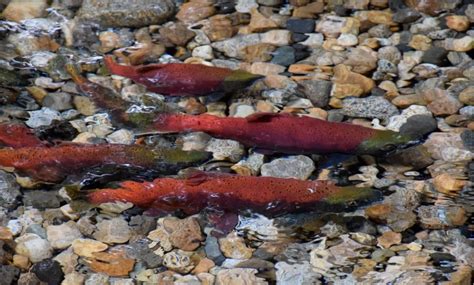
(388, 147)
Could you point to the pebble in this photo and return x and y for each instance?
(369, 107)
(212, 250)
(297, 167)
(34, 247)
(447, 146)
(225, 149)
(234, 246)
(117, 13)
(467, 96)
(178, 261)
(62, 236)
(347, 40)
(48, 271)
(115, 230)
(73, 278)
(204, 52)
(9, 190)
(418, 126)
(238, 276)
(87, 247)
(18, 10)
(184, 234)
(387, 239)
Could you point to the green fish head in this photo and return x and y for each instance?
(382, 142)
(351, 196)
(239, 79)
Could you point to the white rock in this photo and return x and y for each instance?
(347, 40)
(225, 149)
(204, 52)
(85, 137)
(239, 276)
(115, 230)
(34, 247)
(42, 117)
(241, 110)
(73, 278)
(298, 273)
(62, 236)
(314, 40)
(244, 6)
(298, 167)
(121, 136)
(15, 227)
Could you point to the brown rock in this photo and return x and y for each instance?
(404, 101)
(420, 42)
(18, 10)
(341, 91)
(194, 11)
(299, 3)
(378, 212)
(431, 7)
(362, 60)
(343, 75)
(140, 53)
(462, 276)
(112, 264)
(219, 27)
(203, 266)
(387, 239)
(457, 23)
(260, 23)
(440, 102)
(379, 3)
(258, 53)
(277, 81)
(467, 96)
(109, 41)
(184, 234)
(309, 11)
(5, 234)
(447, 184)
(234, 246)
(381, 17)
(21, 261)
(177, 33)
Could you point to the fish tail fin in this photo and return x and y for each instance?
(354, 196)
(118, 69)
(75, 74)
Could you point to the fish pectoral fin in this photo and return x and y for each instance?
(264, 117)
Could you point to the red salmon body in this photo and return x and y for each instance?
(230, 193)
(179, 79)
(16, 135)
(283, 132)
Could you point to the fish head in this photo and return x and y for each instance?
(239, 79)
(350, 197)
(382, 142)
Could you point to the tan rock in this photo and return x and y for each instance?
(234, 246)
(87, 247)
(260, 23)
(343, 75)
(318, 113)
(387, 239)
(84, 105)
(335, 103)
(191, 12)
(340, 90)
(18, 10)
(381, 17)
(21, 261)
(420, 42)
(184, 234)
(265, 68)
(5, 234)
(277, 37)
(239, 276)
(379, 212)
(467, 96)
(139, 53)
(462, 276)
(332, 26)
(404, 101)
(109, 41)
(457, 22)
(440, 102)
(309, 11)
(203, 266)
(362, 60)
(276, 81)
(447, 184)
(258, 53)
(463, 44)
(219, 27)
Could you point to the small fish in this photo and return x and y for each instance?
(53, 164)
(180, 79)
(285, 133)
(117, 108)
(17, 135)
(231, 193)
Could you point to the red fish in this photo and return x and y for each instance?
(17, 135)
(179, 79)
(286, 133)
(52, 164)
(231, 193)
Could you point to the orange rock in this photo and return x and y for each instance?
(378, 212)
(447, 184)
(203, 266)
(301, 68)
(404, 101)
(5, 234)
(112, 264)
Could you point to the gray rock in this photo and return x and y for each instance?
(405, 16)
(369, 107)
(317, 91)
(140, 250)
(62, 236)
(41, 199)
(225, 149)
(468, 139)
(386, 66)
(36, 229)
(300, 25)
(8, 274)
(34, 247)
(467, 111)
(58, 101)
(435, 55)
(115, 230)
(126, 13)
(269, 2)
(9, 190)
(380, 31)
(284, 56)
(418, 126)
(213, 251)
(298, 167)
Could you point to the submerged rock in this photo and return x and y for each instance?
(298, 167)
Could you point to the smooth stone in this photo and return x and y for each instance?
(212, 250)
(128, 13)
(435, 55)
(87, 247)
(8, 273)
(297, 167)
(225, 149)
(239, 276)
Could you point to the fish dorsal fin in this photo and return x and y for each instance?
(195, 177)
(263, 117)
(149, 67)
